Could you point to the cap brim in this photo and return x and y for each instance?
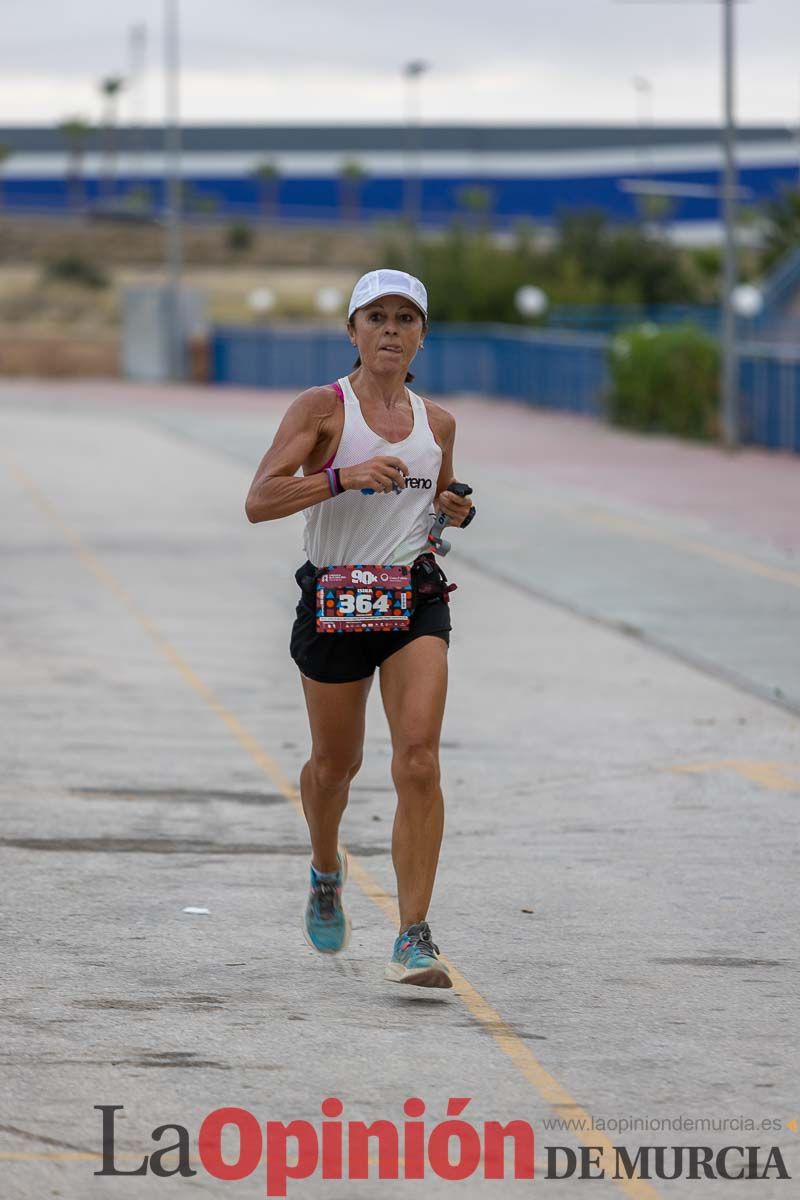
(388, 292)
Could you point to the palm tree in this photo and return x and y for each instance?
(110, 89)
(75, 132)
(478, 201)
(352, 176)
(268, 176)
(5, 155)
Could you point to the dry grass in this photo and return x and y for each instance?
(26, 240)
(29, 301)
(51, 355)
(55, 327)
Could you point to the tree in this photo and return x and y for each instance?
(5, 155)
(75, 132)
(268, 176)
(655, 209)
(352, 176)
(478, 201)
(110, 89)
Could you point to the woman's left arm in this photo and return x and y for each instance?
(457, 508)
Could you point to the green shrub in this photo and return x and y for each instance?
(74, 268)
(239, 237)
(472, 276)
(665, 380)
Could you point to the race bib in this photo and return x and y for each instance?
(364, 599)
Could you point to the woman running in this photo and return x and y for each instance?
(377, 461)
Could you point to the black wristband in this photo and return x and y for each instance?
(469, 517)
(338, 478)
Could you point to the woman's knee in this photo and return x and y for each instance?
(332, 772)
(416, 766)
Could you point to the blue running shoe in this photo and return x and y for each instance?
(415, 960)
(326, 925)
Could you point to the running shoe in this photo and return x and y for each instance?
(326, 926)
(415, 960)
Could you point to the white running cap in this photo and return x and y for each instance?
(375, 284)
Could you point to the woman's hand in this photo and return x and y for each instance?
(382, 474)
(456, 507)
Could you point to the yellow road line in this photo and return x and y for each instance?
(242, 735)
(507, 1040)
(769, 775)
(726, 558)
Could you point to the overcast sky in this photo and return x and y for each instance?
(512, 61)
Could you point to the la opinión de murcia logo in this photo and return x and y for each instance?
(453, 1149)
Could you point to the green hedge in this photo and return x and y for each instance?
(665, 380)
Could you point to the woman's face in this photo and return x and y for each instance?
(388, 334)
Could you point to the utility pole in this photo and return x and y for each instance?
(413, 182)
(137, 51)
(643, 89)
(730, 358)
(172, 181)
(729, 373)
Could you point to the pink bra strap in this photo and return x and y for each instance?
(338, 389)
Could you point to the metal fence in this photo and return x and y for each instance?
(770, 396)
(609, 318)
(554, 369)
(561, 370)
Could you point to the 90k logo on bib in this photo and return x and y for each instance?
(364, 599)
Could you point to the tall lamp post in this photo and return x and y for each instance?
(643, 90)
(413, 184)
(729, 375)
(137, 53)
(172, 162)
(730, 359)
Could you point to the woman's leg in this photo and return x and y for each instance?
(336, 714)
(414, 690)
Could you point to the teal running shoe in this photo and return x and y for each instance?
(326, 926)
(415, 960)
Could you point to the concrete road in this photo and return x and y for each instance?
(618, 885)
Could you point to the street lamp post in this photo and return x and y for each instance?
(137, 52)
(730, 361)
(643, 91)
(172, 160)
(413, 183)
(729, 374)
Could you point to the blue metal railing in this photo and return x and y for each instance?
(609, 318)
(560, 370)
(553, 369)
(782, 285)
(770, 396)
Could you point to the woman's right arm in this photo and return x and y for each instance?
(277, 490)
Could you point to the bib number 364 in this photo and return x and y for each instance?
(364, 598)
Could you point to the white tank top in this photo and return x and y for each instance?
(384, 527)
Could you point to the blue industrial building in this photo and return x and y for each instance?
(523, 172)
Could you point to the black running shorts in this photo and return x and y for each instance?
(345, 657)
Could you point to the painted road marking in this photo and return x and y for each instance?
(508, 1041)
(771, 775)
(726, 558)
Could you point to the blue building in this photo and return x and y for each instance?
(344, 173)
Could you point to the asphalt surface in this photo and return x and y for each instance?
(618, 883)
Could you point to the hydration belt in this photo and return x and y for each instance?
(362, 598)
